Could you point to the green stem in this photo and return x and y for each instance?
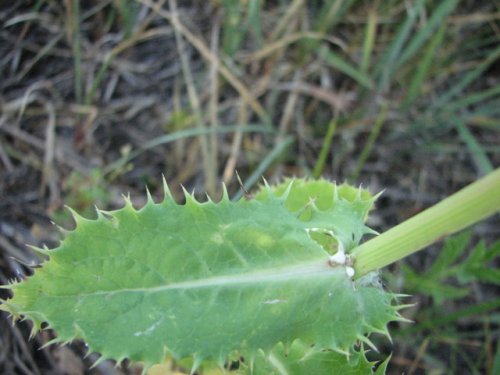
(468, 206)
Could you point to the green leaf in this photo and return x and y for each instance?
(450, 266)
(345, 67)
(452, 249)
(201, 280)
(427, 30)
(304, 359)
(477, 266)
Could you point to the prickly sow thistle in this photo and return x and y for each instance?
(261, 277)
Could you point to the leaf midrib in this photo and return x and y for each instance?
(308, 270)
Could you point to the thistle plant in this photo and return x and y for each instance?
(279, 282)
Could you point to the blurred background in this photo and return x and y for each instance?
(101, 98)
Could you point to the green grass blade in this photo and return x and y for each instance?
(99, 77)
(255, 21)
(386, 66)
(331, 13)
(327, 141)
(127, 13)
(479, 156)
(369, 144)
(369, 40)
(443, 10)
(486, 116)
(423, 68)
(474, 98)
(233, 32)
(338, 62)
(187, 133)
(467, 79)
(496, 363)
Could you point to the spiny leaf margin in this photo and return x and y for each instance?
(258, 223)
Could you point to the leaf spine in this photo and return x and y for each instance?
(128, 201)
(55, 340)
(368, 342)
(98, 361)
(287, 191)
(197, 359)
(101, 215)
(396, 296)
(167, 195)
(8, 286)
(39, 250)
(383, 331)
(404, 306)
(336, 196)
(31, 265)
(79, 219)
(150, 199)
(225, 194)
(209, 199)
(268, 188)
(368, 230)
(358, 192)
(402, 319)
(376, 196)
(190, 199)
(34, 330)
(146, 366)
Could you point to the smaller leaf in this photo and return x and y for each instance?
(304, 359)
(452, 249)
(476, 266)
(448, 267)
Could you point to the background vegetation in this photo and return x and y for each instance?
(100, 98)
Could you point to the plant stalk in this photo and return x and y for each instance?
(466, 207)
